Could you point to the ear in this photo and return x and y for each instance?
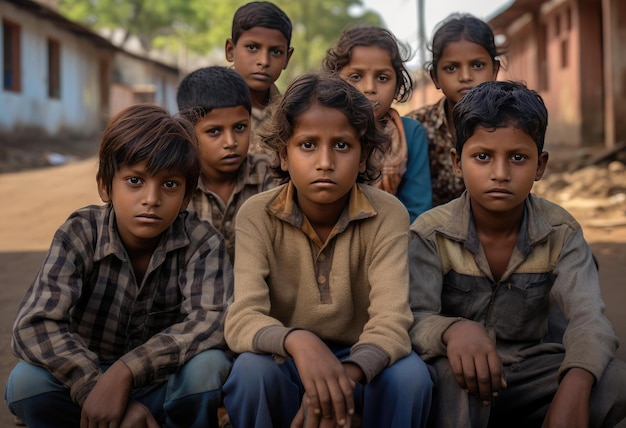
(363, 164)
(185, 204)
(102, 191)
(434, 78)
(456, 163)
(496, 68)
(289, 53)
(284, 162)
(229, 50)
(541, 165)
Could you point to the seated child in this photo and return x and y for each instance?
(217, 101)
(485, 270)
(123, 324)
(321, 313)
(370, 58)
(259, 50)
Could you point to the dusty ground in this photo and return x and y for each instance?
(33, 203)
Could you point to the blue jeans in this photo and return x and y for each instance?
(189, 398)
(262, 393)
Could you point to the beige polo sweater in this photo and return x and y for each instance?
(350, 290)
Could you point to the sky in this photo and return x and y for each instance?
(400, 16)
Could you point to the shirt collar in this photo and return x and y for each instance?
(283, 206)
(534, 228)
(109, 242)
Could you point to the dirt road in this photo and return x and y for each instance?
(34, 203)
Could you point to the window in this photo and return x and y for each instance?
(11, 79)
(54, 69)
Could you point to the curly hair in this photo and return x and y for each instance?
(333, 92)
(339, 55)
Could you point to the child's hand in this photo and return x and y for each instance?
(474, 359)
(106, 403)
(328, 388)
(570, 405)
(306, 418)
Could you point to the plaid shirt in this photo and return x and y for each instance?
(446, 186)
(85, 306)
(254, 177)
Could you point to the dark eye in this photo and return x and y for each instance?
(482, 156)
(134, 180)
(276, 51)
(342, 145)
(518, 157)
(307, 145)
(170, 184)
(240, 127)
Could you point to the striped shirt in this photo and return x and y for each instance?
(85, 307)
(254, 177)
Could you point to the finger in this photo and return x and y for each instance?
(298, 420)
(457, 369)
(483, 378)
(339, 403)
(347, 386)
(497, 374)
(469, 375)
(326, 400)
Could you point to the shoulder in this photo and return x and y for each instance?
(552, 213)
(199, 232)
(257, 203)
(439, 216)
(387, 206)
(87, 222)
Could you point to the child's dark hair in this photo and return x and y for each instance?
(333, 92)
(498, 104)
(260, 14)
(209, 88)
(148, 133)
(338, 56)
(462, 26)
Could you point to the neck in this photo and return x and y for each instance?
(260, 99)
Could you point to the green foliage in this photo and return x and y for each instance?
(202, 26)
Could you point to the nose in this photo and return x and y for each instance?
(368, 85)
(500, 170)
(229, 140)
(466, 74)
(325, 158)
(152, 194)
(263, 58)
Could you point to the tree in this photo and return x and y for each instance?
(201, 26)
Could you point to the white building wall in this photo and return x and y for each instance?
(77, 111)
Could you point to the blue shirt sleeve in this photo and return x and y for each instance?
(415, 190)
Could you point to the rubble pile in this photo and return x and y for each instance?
(595, 193)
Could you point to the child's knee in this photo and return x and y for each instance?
(205, 372)
(27, 380)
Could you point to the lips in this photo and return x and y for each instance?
(324, 181)
(148, 217)
(499, 191)
(260, 76)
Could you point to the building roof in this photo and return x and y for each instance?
(512, 12)
(44, 12)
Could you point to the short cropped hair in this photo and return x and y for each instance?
(260, 14)
(330, 91)
(148, 133)
(338, 56)
(208, 88)
(498, 104)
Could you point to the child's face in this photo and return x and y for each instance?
(323, 158)
(370, 70)
(462, 66)
(260, 55)
(145, 204)
(223, 137)
(499, 168)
